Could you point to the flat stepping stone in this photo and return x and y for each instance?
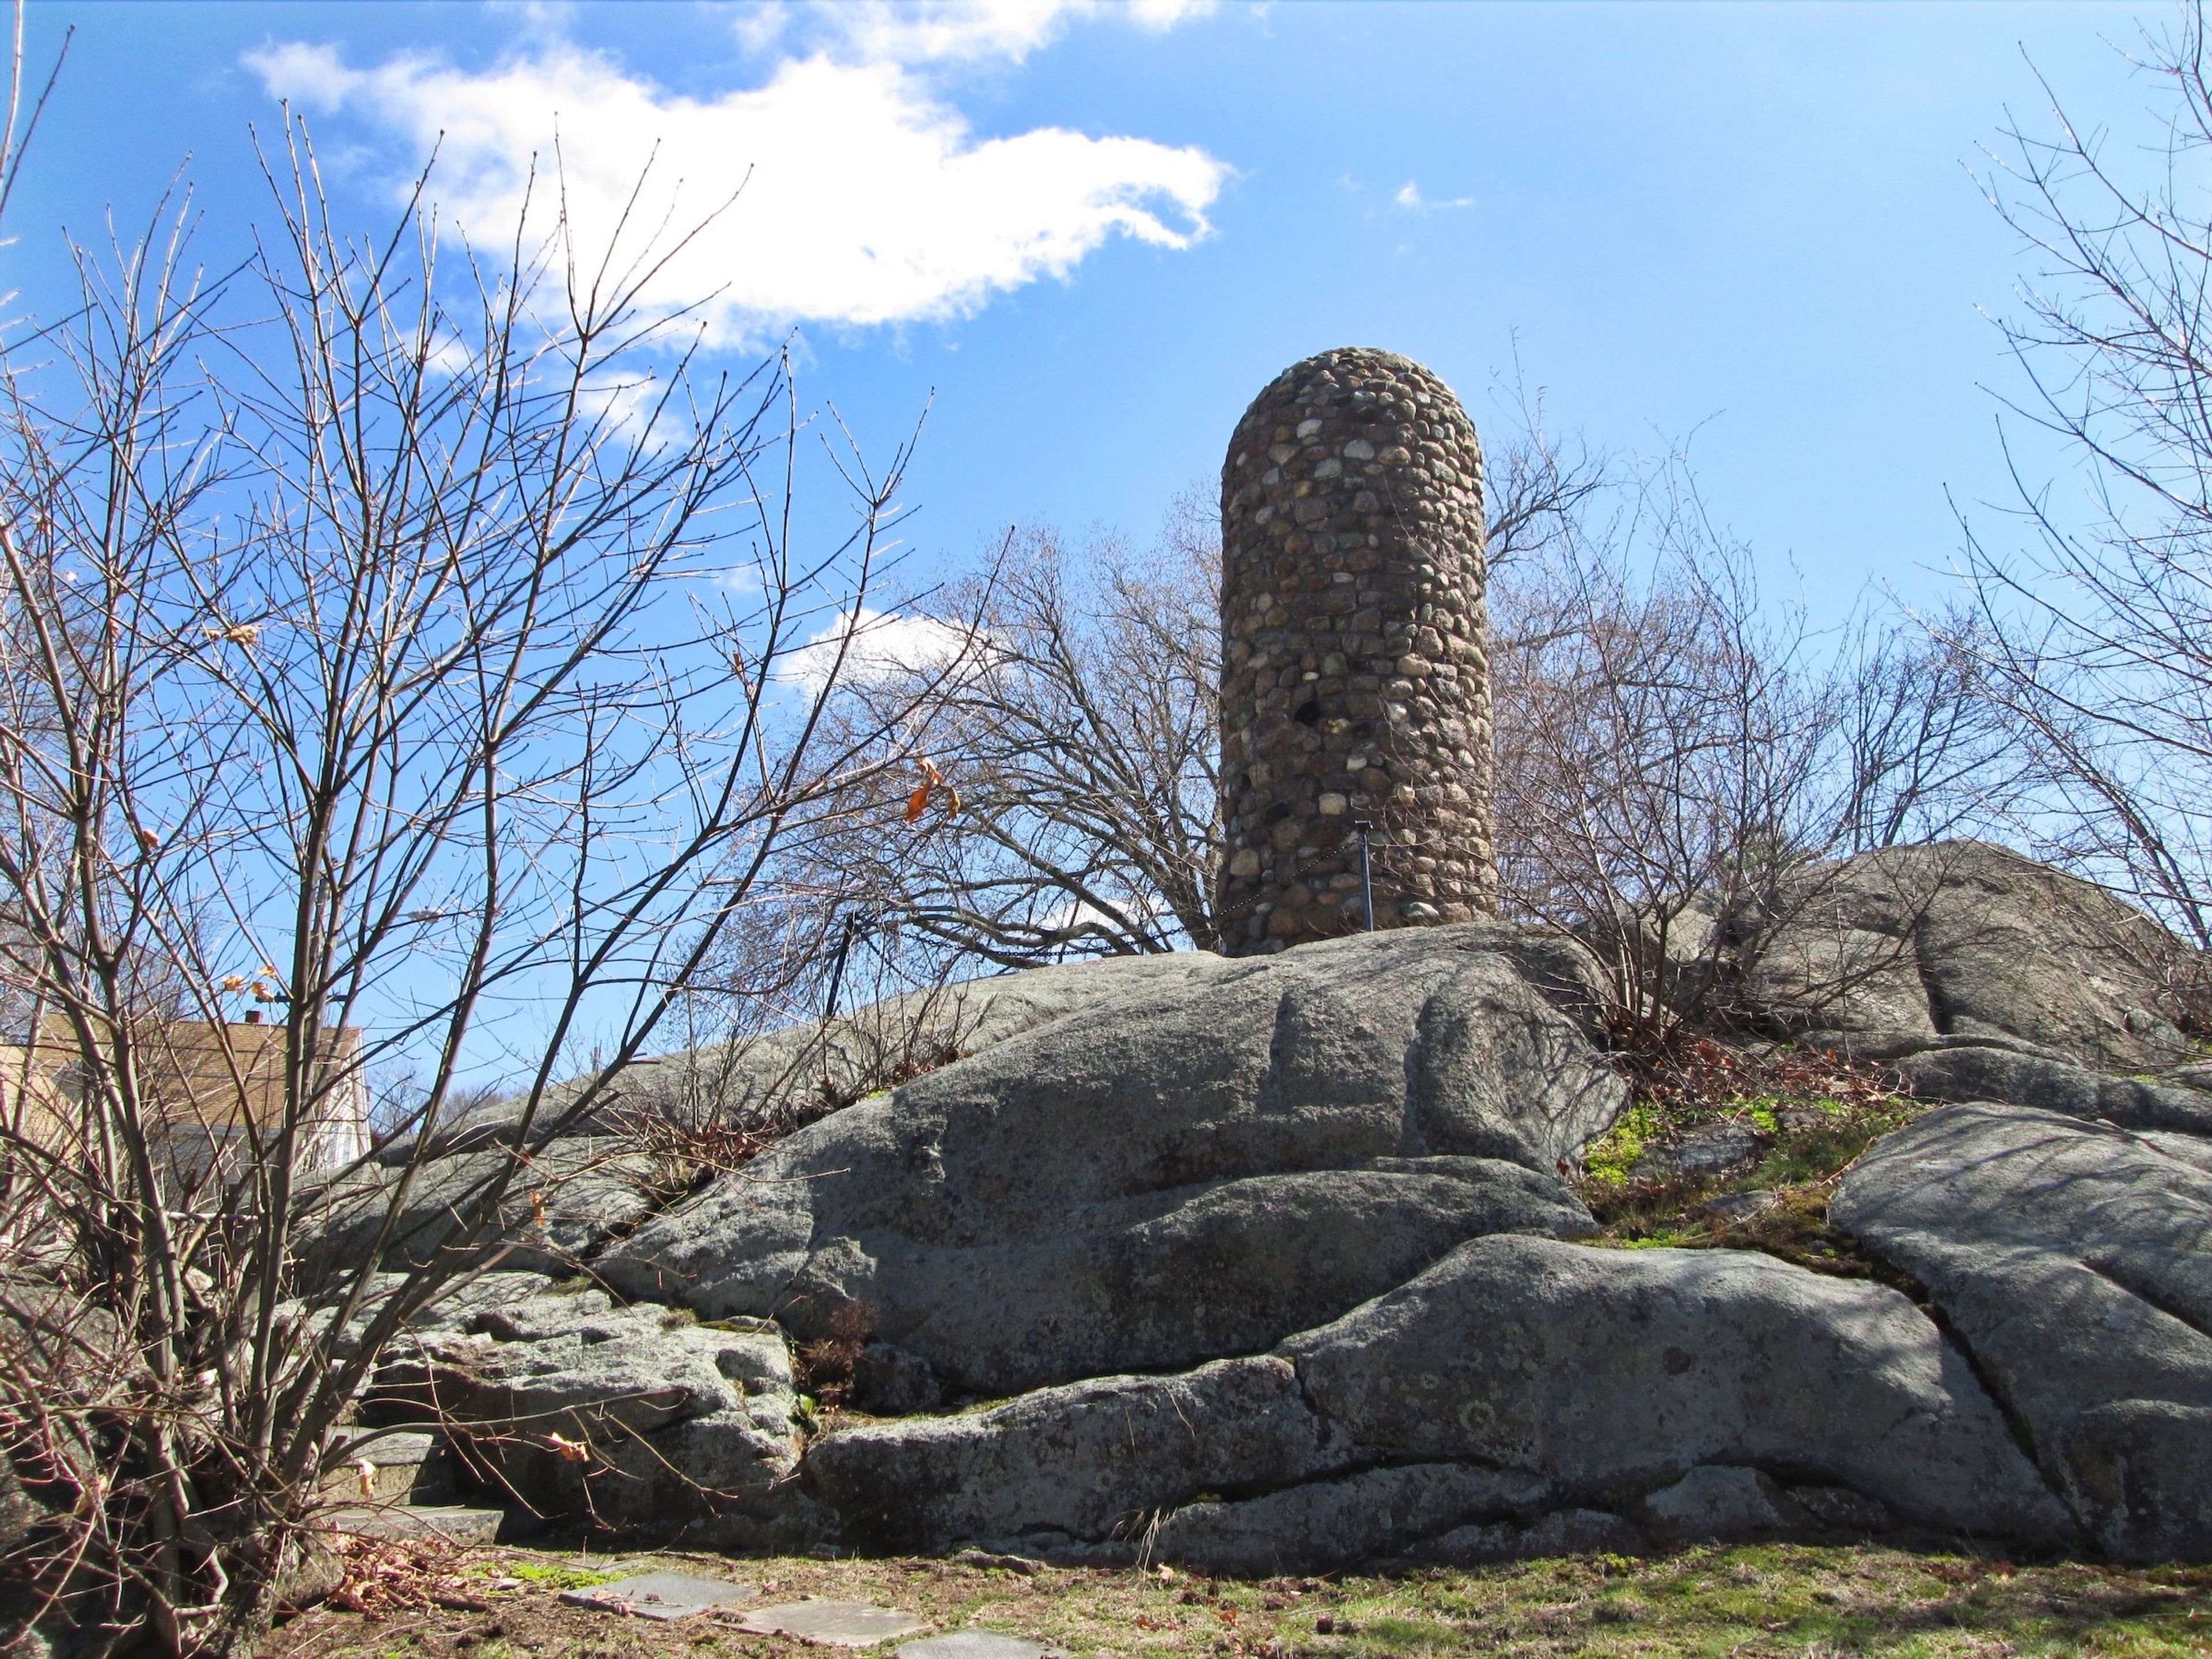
(463, 1526)
(661, 1595)
(847, 1624)
(975, 1644)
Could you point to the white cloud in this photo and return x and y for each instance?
(1410, 198)
(861, 197)
(308, 75)
(939, 31)
(882, 646)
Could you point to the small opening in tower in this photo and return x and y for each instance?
(1308, 713)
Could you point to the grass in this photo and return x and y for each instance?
(1772, 1600)
(544, 1573)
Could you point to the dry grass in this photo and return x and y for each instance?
(1751, 1600)
(823, 1368)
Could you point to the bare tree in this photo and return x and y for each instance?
(2096, 638)
(1677, 753)
(1657, 744)
(1080, 742)
(1925, 754)
(396, 644)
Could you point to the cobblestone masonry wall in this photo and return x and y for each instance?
(1355, 681)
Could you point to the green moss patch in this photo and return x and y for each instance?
(1813, 1114)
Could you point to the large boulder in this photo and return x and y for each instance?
(1087, 1460)
(1188, 1167)
(1317, 1199)
(1978, 1073)
(764, 1075)
(2074, 1260)
(1517, 1377)
(1900, 948)
(556, 1209)
(632, 1417)
(1611, 1372)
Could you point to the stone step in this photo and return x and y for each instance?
(401, 1468)
(462, 1525)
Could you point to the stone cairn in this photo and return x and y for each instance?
(1355, 680)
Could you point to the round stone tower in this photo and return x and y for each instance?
(1355, 676)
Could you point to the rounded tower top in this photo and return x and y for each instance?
(1339, 375)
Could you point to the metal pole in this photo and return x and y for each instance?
(837, 967)
(1366, 881)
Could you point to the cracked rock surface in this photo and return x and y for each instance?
(687, 1425)
(1166, 1175)
(1521, 1374)
(2074, 1259)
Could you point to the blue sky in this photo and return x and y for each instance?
(1094, 232)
